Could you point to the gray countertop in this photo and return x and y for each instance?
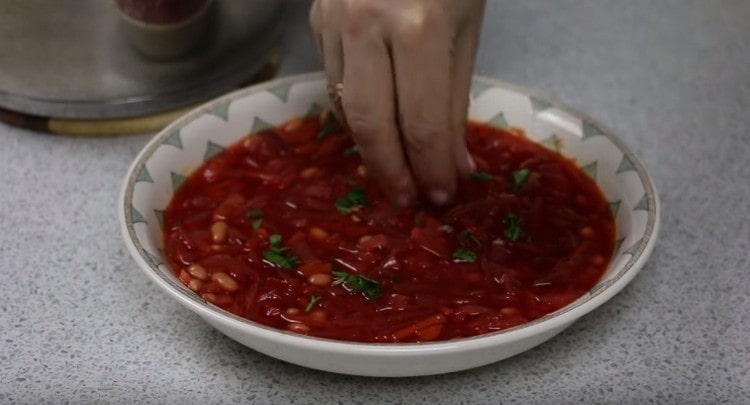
(79, 323)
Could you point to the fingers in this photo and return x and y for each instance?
(368, 103)
(463, 68)
(423, 70)
(329, 46)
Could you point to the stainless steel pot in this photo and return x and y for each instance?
(89, 59)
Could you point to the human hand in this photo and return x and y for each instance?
(400, 75)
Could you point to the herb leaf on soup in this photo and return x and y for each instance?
(519, 179)
(481, 177)
(513, 231)
(330, 126)
(352, 201)
(462, 255)
(277, 254)
(254, 213)
(311, 304)
(367, 286)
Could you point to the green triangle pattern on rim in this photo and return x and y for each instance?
(144, 176)
(477, 88)
(614, 206)
(626, 165)
(590, 169)
(152, 258)
(281, 91)
(633, 249)
(590, 131)
(177, 180)
(314, 111)
(643, 204)
(260, 125)
(174, 140)
(222, 111)
(538, 105)
(136, 216)
(159, 214)
(553, 142)
(212, 149)
(499, 121)
(618, 244)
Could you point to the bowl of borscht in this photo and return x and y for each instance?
(255, 212)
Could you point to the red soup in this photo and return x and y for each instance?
(286, 229)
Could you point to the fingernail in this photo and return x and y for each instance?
(472, 163)
(439, 197)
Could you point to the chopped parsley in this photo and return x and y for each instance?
(330, 126)
(519, 178)
(481, 177)
(369, 287)
(277, 254)
(468, 238)
(419, 218)
(513, 231)
(254, 213)
(313, 300)
(352, 201)
(462, 255)
(352, 150)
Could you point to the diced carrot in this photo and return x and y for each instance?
(310, 268)
(305, 149)
(318, 234)
(374, 242)
(429, 333)
(296, 237)
(330, 145)
(184, 277)
(423, 327)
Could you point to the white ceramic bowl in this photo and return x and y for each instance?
(163, 164)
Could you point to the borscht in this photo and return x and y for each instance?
(286, 229)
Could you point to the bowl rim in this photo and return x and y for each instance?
(549, 322)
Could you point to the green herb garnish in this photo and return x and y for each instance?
(352, 150)
(369, 287)
(313, 300)
(419, 218)
(481, 177)
(254, 213)
(462, 255)
(330, 126)
(513, 231)
(277, 255)
(519, 178)
(468, 238)
(257, 224)
(352, 201)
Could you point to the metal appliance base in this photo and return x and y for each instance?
(70, 59)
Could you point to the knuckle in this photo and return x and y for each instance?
(415, 24)
(359, 9)
(419, 136)
(364, 125)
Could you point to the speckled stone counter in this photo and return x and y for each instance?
(80, 324)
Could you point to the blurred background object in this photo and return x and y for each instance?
(165, 29)
(121, 66)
